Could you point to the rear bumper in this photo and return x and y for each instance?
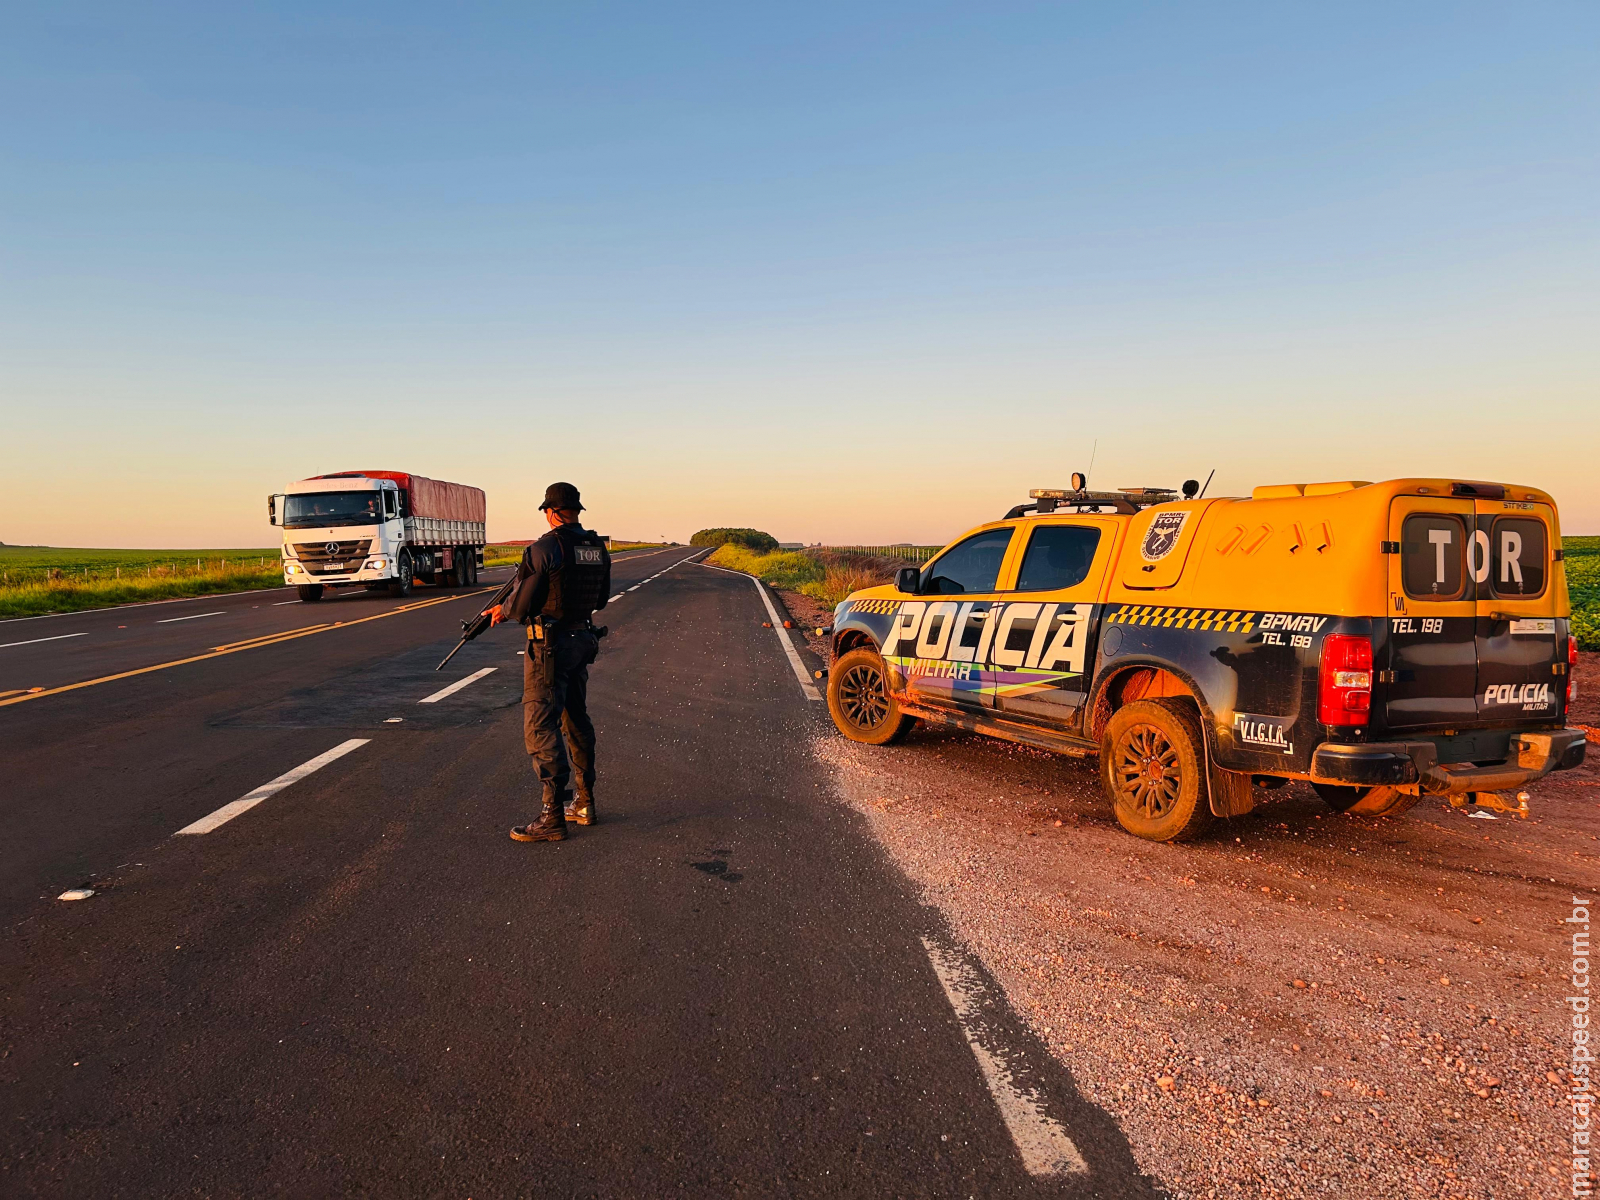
(1378, 764)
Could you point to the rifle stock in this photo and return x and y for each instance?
(471, 629)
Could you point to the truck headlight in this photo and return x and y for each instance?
(292, 567)
(377, 564)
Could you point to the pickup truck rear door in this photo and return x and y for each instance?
(1043, 644)
(1512, 565)
(1433, 655)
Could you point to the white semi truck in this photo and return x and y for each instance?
(379, 530)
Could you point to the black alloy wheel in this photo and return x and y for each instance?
(860, 701)
(1153, 764)
(863, 698)
(1147, 764)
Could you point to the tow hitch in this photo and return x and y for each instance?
(1492, 801)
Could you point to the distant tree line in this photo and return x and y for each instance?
(750, 539)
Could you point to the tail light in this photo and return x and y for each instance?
(1572, 670)
(1344, 694)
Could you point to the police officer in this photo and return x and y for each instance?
(564, 578)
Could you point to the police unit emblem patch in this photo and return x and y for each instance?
(1162, 535)
(589, 556)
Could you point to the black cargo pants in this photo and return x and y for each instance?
(555, 701)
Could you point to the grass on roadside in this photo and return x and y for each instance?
(36, 580)
(822, 575)
(74, 594)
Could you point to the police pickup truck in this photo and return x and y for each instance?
(1383, 641)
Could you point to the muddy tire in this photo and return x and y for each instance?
(309, 591)
(1152, 763)
(1365, 801)
(860, 703)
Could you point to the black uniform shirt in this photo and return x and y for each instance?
(533, 574)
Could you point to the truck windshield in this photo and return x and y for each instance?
(316, 509)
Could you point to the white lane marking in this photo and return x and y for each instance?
(281, 603)
(246, 802)
(657, 575)
(1043, 1142)
(806, 685)
(34, 641)
(457, 686)
(634, 555)
(193, 617)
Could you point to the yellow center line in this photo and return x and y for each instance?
(266, 638)
(235, 648)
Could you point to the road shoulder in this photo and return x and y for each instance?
(1302, 1004)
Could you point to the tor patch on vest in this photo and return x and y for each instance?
(588, 556)
(1162, 535)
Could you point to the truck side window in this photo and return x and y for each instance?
(969, 566)
(1432, 556)
(1517, 556)
(388, 504)
(1058, 556)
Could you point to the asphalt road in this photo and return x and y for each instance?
(360, 985)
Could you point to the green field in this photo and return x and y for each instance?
(1583, 586)
(20, 564)
(35, 580)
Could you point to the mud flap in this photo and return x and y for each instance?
(1230, 791)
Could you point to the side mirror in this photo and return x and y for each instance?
(272, 509)
(908, 579)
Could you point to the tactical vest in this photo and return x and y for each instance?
(578, 585)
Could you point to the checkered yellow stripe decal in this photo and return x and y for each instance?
(874, 606)
(1185, 618)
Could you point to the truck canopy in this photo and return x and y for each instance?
(429, 498)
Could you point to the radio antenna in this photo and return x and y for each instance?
(1208, 484)
(1090, 472)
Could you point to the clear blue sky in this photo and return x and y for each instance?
(840, 271)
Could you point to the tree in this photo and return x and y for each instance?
(750, 539)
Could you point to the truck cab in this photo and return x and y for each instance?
(381, 530)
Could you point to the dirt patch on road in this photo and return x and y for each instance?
(1303, 1003)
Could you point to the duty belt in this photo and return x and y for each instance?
(540, 628)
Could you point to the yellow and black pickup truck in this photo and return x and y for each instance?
(1383, 641)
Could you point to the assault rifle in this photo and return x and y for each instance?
(471, 629)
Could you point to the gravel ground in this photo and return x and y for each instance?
(1301, 1004)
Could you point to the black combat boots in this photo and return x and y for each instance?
(551, 827)
(580, 810)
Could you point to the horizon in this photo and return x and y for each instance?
(850, 276)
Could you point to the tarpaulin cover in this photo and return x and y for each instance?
(432, 497)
